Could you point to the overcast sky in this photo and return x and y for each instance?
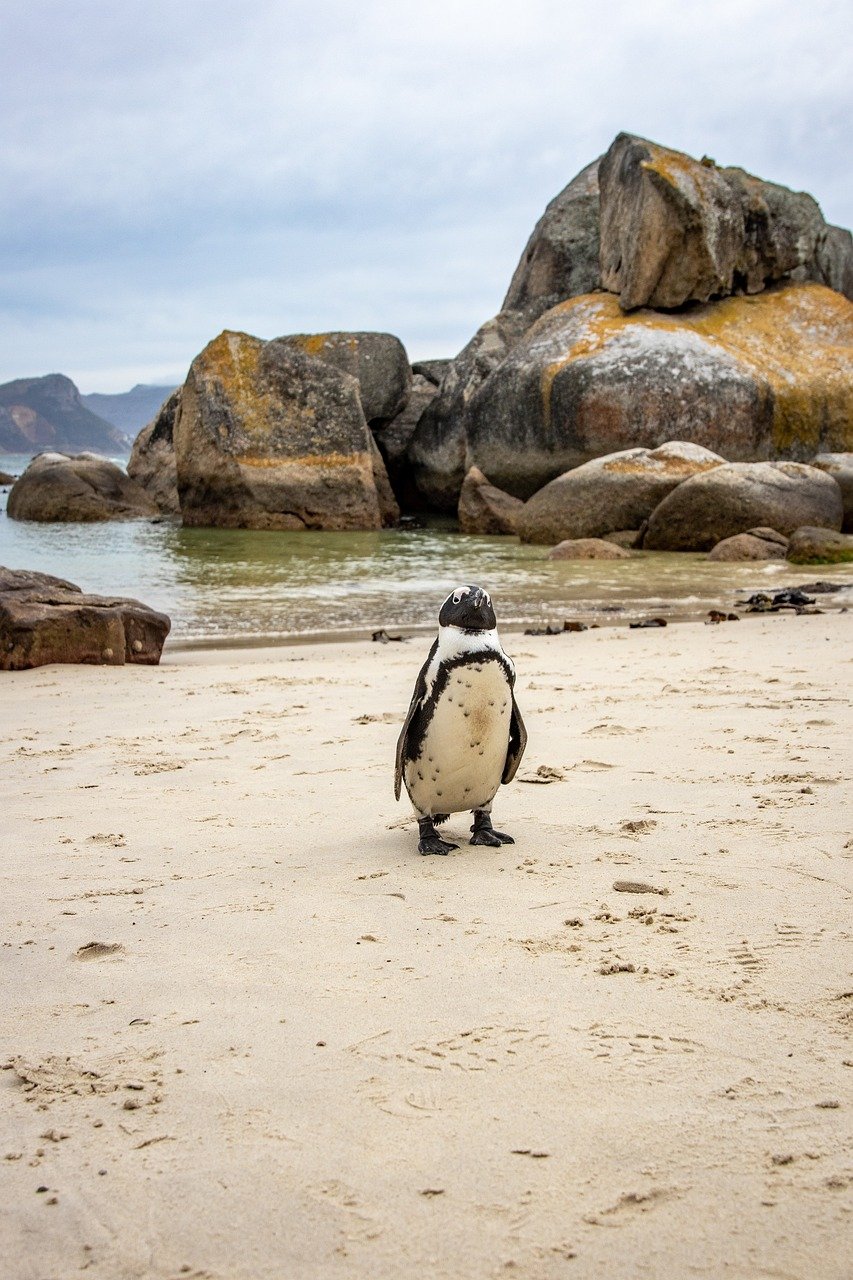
(171, 168)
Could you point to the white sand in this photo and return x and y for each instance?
(316, 1054)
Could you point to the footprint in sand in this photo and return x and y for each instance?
(99, 951)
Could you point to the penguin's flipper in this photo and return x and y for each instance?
(414, 706)
(517, 743)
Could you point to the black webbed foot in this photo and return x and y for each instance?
(431, 841)
(484, 832)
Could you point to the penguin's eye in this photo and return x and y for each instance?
(456, 597)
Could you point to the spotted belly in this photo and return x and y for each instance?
(463, 753)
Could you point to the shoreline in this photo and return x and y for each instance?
(410, 631)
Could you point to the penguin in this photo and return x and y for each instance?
(463, 735)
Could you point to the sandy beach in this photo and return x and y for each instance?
(248, 1033)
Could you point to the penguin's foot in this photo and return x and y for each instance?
(484, 832)
(431, 841)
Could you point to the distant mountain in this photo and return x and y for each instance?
(130, 411)
(49, 413)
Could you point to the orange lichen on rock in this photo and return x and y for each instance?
(314, 344)
(232, 360)
(796, 340)
(681, 171)
(309, 460)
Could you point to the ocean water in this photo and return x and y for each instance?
(221, 585)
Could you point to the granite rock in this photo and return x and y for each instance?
(755, 544)
(270, 437)
(377, 360)
(739, 496)
(615, 492)
(45, 619)
(152, 458)
(81, 487)
(820, 546)
(485, 509)
(588, 549)
(840, 467)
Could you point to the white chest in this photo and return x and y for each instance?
(463, 751)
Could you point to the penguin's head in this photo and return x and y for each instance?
(469, 608)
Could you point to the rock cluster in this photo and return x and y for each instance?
(618, 491)
(588, 357)
(45, 619)
(669, 322)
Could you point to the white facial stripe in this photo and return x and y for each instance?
(459, 593)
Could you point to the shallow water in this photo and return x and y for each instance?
(217, 584)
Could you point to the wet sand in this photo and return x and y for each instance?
(248, 1032)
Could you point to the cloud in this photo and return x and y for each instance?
(173, 170)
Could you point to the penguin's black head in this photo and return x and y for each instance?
(469, 608)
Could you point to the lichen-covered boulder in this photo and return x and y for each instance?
(377, 360)
(45, 619)
(674, 229)
(840, 467)
(755, 544)
(269, 437)
(588, 549)
(80, 487)
(820, 546)
(152, 458)
(739, 496)
(561, 258)
(486, 509)
(748, 378)
(617, 491)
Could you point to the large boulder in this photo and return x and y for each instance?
(393, 437)
(377, 360)
(152, 458)
(840, 467)
(676, 230)
(748, 378)
(755, 544)
(269, 437)
(485, 509)
(84, 487)
(820, 546)
(45, 619)
(437, 449)
(615, 492)
(738, 496)
(561, 258)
